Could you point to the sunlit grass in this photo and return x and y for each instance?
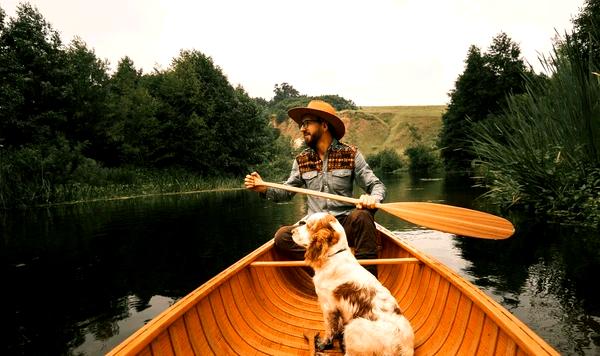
(375, 128)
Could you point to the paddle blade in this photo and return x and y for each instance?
(452, 219)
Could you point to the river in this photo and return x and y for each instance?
(78, 279)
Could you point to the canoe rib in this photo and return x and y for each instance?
(257, 307)
(516, 330)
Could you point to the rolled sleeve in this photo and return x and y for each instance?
(295, 180)
(366, 179)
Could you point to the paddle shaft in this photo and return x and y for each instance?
(290, 188)
(447, 218)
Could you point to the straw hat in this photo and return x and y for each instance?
(322, 110)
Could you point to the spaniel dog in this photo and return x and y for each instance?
(355, 305)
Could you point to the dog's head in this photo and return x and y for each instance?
(321, 234)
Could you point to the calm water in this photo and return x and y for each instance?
(80, 279)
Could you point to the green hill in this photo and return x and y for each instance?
(374, 128)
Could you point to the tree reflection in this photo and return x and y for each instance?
(544, 275)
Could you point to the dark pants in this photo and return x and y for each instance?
(360, 232)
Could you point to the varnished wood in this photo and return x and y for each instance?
(365, 262)
(442, 217)
(262, 309)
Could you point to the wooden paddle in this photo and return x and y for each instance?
(446, 218)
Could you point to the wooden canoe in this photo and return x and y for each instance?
(257, 308)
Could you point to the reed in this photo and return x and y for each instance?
(543, 152)
(89, 182)
(144, 183)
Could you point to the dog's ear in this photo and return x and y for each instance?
(319, 246)
(335, 236)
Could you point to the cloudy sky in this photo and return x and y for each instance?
(384, 52)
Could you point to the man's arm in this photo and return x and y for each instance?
(369, 182)
(277, 195)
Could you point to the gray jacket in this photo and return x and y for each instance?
(336, 173)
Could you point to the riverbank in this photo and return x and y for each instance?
(106, 184)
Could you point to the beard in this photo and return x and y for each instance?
(312, 139)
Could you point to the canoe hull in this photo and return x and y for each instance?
(267, 310)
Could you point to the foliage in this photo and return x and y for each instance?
(338, 102)
(41, 175)
(543, 151)
(278, 110)
(65, 121)
(480, 93)
(287, 97)
(28, 174)
(422, 158)
(277, 167)
(32, 79)
(204, 120)
(585, 42)
(132, 125)
(284, 91)
(386, 161)
(85, 98)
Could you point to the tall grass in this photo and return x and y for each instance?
(543, 152)
(34, 176)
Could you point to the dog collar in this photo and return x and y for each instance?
(335, 253)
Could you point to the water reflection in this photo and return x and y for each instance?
(545, 275)
(80, 279)
(73, 273)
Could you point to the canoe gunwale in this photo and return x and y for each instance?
(144, 336)
(527, 340)
(506, 321)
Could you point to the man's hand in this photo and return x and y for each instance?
(366, 202)
(253, 181)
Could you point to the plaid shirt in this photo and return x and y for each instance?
(336, 173)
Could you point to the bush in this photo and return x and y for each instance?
(28, 174)
(543, 152)
(386, 161)
(421, 159)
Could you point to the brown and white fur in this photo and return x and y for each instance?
(355, 304)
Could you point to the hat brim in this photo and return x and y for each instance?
(339, 129)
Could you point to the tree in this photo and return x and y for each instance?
(206, 124)
(32, 79)
(480, 93)
(86, 98)
(132, 126)
(542, 152)
(586, 41)
(284, 91)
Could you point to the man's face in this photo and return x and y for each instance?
(312, 130)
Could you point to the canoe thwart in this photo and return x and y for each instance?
(274, 311)
(375, 261)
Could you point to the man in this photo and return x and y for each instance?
(330, 166)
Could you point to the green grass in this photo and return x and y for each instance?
(375, 128)
(143, 185)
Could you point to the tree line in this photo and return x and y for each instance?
(533, 138)
(69, 126)
(63, 96)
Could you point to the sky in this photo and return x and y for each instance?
(375, 53)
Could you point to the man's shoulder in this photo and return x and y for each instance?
(305, 152)
(342, 146)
